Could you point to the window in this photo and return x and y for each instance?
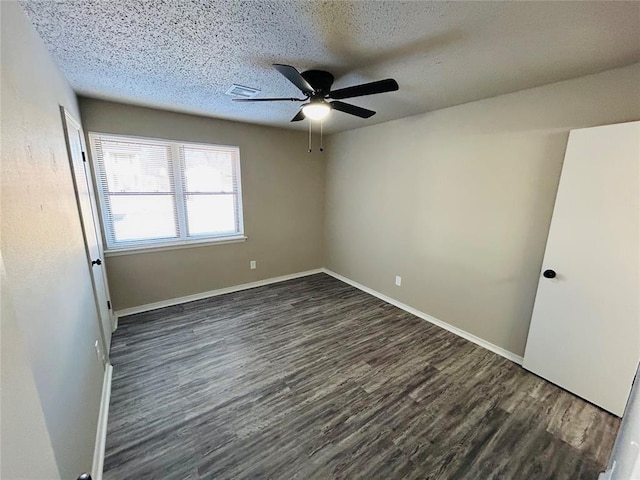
(156, 193)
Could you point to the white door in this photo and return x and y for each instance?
(585, 328)
(90, 223)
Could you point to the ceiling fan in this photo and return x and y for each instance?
(316, 87)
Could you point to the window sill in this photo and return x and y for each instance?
(173, 246)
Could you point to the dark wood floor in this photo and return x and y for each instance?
(311, 378)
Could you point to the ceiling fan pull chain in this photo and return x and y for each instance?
(309, 136)
(321, 148)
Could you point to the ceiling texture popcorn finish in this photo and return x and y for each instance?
(183, 55)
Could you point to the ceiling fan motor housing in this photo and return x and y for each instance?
(320, 80)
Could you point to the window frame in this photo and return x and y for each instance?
(178, 194)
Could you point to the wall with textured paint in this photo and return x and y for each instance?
(51, 377)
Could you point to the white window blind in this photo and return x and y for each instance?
(159, 192)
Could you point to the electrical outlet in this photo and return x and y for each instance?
(252, 264)
(398, 280)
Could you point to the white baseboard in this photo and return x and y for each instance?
(101, 431)
(245, 286)
(461, 333)
(211, 293)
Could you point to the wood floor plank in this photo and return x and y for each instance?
(314, 379)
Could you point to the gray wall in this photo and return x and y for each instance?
(459, 201)
(283, 200)
(51, 378)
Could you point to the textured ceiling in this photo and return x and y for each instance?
(183, 55)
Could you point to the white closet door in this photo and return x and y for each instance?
(85, 198)
(585, 329)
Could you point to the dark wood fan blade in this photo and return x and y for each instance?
(381, 86)
(352, 109)
(299, 116)
(269, 99)
(294, 77)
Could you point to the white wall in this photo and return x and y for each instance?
(459, 201)
(51, 378)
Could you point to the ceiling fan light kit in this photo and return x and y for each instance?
(316, 110)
